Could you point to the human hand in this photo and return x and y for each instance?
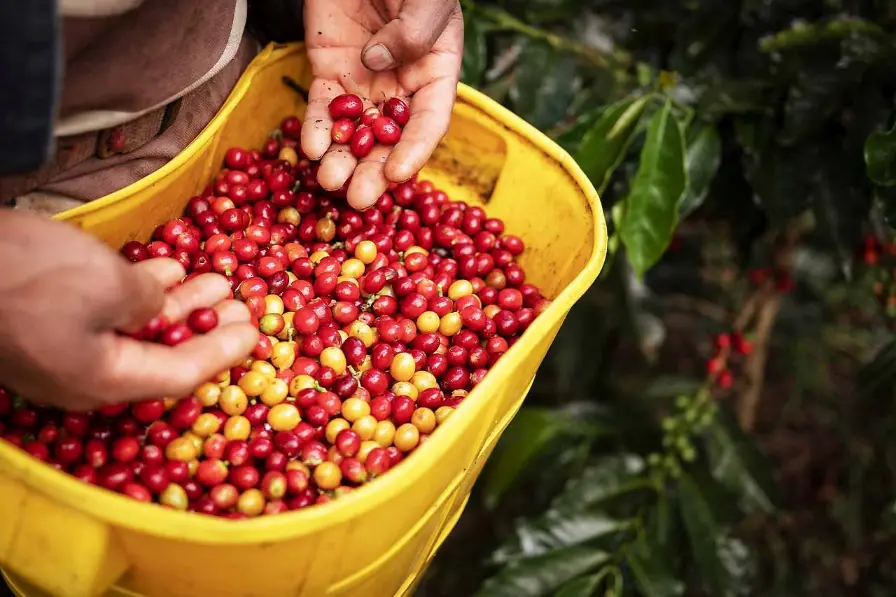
(378, 49)
(64, 296)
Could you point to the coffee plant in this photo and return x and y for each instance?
(715, 418)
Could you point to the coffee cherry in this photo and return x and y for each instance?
(203, 320)
(386, 130)
(342, 131)
(362, 141)
(725, 379)
(370, 115)
(135, 251)
(291, 127)
(347, 106)
(175, 334)
(397, 110)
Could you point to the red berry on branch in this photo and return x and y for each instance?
(725, 379)
(714, 365)
(741, 345)
(784, 282)
(758, 276)
(723, 341)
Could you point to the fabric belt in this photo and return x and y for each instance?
(76, 149)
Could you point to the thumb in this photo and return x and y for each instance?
(144, 286)
(410, 36)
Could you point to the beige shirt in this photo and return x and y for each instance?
(124, 58)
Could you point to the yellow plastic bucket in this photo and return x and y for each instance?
(61, 537)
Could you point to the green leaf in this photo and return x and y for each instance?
(802, 34)
(841, 208)
(578, 353)
(737, 463)
(543, 10)
(540, 576)
(754, 134)
(609, 477)
(702, 34)
(867, 50)
(570, 136)
(880, 157)
(574, 517)
(726, 565)
(556, 530)
(544, 85)
(879, 373)
(475, 49)
(885, 199)
(781, 193)
(531, 431)
(702, 533)
(702, 159)
(604, 145)
(888, 517)
(669, 386)
(585, 586)
(722, 97)
(814, 97)
(498, 89)
(651, 211)
(740, 564)
(662, 526)
(652, 571)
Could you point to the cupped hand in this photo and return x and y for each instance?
(65, 296)
(378, 49)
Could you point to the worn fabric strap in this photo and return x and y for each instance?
(74, 150)
(30, 75)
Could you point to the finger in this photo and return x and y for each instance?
(410, 36)
(232, 312)
(144, 370)
(369, 181)
(318, 124)
(168, 272)
(143, 295)
(202, 291)
(335, 167)
(430, 116)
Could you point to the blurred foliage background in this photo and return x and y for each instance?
(716, 416)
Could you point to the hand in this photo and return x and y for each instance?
(378, 49)
(64, 295)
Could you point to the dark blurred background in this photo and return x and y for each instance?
(716, 416)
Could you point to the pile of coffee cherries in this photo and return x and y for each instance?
(361, 128)
(373, 328)
(200, 321)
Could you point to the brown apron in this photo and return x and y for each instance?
(131, 64)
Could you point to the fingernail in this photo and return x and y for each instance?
(378, 57)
